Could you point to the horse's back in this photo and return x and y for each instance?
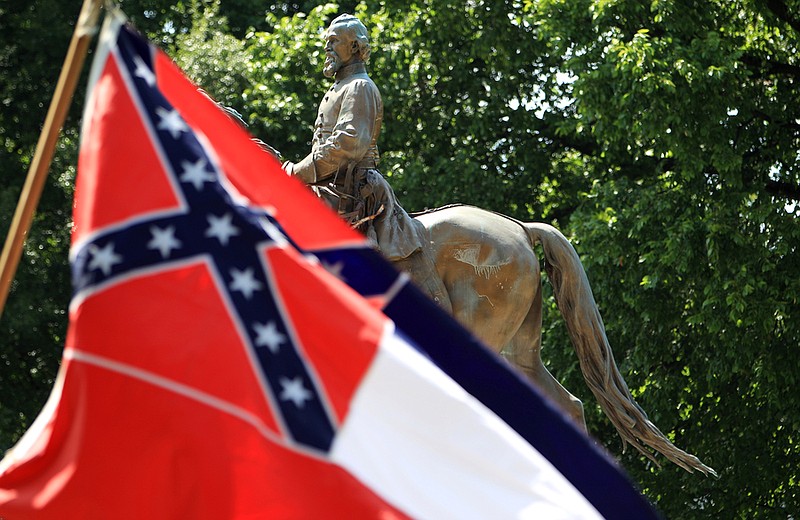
(482, 239)
(487, 264)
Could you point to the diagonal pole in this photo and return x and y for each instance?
(37, 174)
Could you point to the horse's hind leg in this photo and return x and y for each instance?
(525, 353)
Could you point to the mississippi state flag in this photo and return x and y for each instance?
(235, 351)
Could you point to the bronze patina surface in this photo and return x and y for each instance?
(478, 265)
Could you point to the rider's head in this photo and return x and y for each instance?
(346, 41)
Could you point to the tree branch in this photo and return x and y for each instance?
(636, 168)
(761, 67)
(571, 140)
(783, 189)
(791, 125)
(562, 213)
(781, 10)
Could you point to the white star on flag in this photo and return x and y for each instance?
(143, 71)
(164, 240)
(104, 259)
(334, 269)
(294, 391)
(268, 336)
(196, 173)
(221, 228)
(171, 121)
(245, 282)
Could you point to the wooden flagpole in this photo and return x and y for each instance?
(43, 156)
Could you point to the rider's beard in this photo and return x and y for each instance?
(332, 64)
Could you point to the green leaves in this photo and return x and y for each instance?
(661, 136)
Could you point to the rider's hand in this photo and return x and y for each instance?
(267, 148)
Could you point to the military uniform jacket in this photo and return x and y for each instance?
(345, 134)
(347, 127)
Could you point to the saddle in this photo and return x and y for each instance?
(365, 200)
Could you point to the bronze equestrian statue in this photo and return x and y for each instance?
(478, 265)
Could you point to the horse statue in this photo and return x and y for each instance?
(490, 273)
(482, 268)
(478, 265)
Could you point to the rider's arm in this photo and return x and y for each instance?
(350, 137)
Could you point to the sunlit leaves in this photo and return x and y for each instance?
(662, 137)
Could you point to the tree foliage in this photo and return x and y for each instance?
(689, 230)
(34, 322)
(662, 137)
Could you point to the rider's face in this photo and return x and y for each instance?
(339, 51)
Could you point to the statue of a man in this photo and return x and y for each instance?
(342, 165)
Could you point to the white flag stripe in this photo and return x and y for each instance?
(427, 446)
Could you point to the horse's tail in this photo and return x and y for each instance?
(587, 332)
